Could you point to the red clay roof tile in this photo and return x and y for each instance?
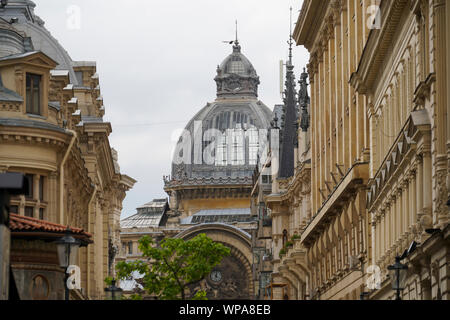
(19, 223)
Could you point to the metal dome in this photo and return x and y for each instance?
(29, 34)
(236, 76)
(233, 120)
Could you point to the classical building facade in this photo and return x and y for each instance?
(52, 130)
(284, 205)
(379, 171)
(336, 235)
(402, 74)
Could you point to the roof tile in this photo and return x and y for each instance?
(19, 223)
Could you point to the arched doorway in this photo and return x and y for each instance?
(232, 279)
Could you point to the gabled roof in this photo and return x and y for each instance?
(33, 57)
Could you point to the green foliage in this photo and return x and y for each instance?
(175, 265)
(132, 297)
(200, 295)
(282, 251)
(108, 281)
(289, 244)
(295, 237)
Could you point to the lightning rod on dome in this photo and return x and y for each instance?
(236, 41)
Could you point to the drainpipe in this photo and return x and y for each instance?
(88, 264)
(61, 176)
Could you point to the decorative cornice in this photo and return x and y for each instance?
(207, 182)
(378, 45)
(309, 22)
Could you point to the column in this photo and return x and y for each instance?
(440, 115)
(338, 92)
(441, 77)
(412, 201)
(332, 104)
(406, 208)
(36, 178)
(447, 9)
(351, 92)
(52, 197)
(427, 186)
(345, 95)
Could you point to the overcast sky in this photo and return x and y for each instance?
(157, 61)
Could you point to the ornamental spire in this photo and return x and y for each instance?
(289, 130)
(304, 101)
(290, 42)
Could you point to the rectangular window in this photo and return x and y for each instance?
(237, 148)
(221, 150)
(29, 212)
(130, 247)
(79, 76)
(30, 180)
(41, 188)
(41, 213)
(14, 209)
(33, 94)
(267, 179)
(253, 137)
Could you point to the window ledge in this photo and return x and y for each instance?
(36, 116)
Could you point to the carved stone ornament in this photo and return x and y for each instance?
(180, 172)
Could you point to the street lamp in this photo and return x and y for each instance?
(398, 273)
(67, 248)
(112, 292)
(364, 295)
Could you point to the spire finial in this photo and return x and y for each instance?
(237, 40)
(290, 37)
(236, 47)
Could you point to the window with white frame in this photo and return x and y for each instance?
(221, 150)
(237, 147)
(253, 146)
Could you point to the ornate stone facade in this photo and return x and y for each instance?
(379, 152)
(52, 130)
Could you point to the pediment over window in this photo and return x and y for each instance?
(34, 58)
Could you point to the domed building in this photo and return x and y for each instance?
(211, 182)
(217, 154)
(52, 131)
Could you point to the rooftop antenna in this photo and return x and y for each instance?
(236, 41)
(237, 31)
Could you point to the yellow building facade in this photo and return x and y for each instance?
(379, 153)
(52, 130)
